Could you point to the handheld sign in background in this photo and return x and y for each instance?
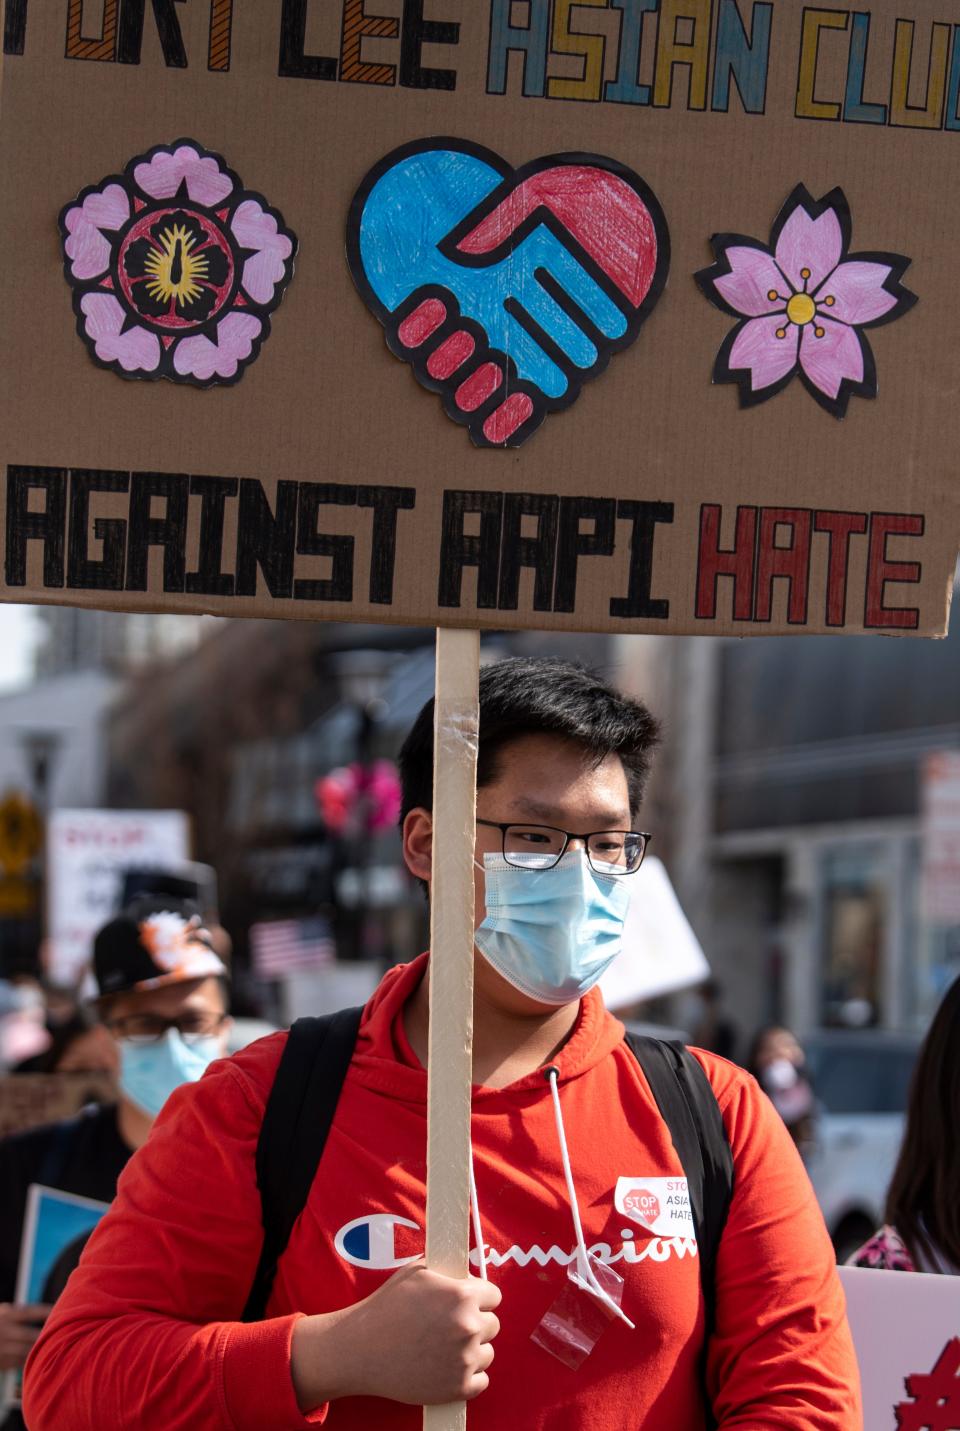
(326, 483)
(55, 1230)
(905, 1330)
(661, 954)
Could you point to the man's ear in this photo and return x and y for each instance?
(418, 843)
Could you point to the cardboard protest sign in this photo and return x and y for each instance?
(29, 1099)
(676, 276)
(904, 1327)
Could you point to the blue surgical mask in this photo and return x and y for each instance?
(551, 933)
(149, 1072)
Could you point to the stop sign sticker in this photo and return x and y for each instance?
(643, 1204)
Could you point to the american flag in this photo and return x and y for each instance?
(281, 945)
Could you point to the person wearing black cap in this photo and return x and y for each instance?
(163, 998)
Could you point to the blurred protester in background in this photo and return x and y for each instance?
(61, 1002)
(162, 1009)
(80, 1044)
(714, 1031)
(778, 1064)
(922, 1230)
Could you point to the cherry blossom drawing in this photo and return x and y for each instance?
(175, 267)
(803, 301)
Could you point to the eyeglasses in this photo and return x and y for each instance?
(151, 1028)
(610, 852)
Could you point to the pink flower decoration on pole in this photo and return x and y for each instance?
(175, 267)
(803, 301)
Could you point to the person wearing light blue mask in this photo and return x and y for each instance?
(163, 1002)
(153, 1068)
(163, 998)
(557, 845)
(154, 1065)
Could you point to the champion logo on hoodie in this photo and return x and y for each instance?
(380, 1242)
(371, 1241)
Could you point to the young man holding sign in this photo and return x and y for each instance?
(590, 1242)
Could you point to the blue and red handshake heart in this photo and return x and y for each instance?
(506, 289)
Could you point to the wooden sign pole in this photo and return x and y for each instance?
(456, 722)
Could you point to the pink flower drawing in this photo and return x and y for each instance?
(803, 302)
(175, 267)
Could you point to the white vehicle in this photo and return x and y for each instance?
(861, 1080)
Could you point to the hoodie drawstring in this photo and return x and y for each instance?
(477, 1229)
(584, 1268)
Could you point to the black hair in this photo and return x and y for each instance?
(539, 696)
(923, 1203)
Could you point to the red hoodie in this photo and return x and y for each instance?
(145, 1337)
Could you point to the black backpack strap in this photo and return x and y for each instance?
(294, 1131)
(715, 1152)
(690, 1110)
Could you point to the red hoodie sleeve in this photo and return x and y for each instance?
(781, 1354)
(146, 1334)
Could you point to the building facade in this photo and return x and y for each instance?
(791, 796)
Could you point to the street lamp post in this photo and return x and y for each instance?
(361, 679)
(41, 747)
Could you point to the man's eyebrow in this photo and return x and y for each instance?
(535, 809)
(547, 814)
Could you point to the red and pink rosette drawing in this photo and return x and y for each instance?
(803, 301)
(175, 267)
